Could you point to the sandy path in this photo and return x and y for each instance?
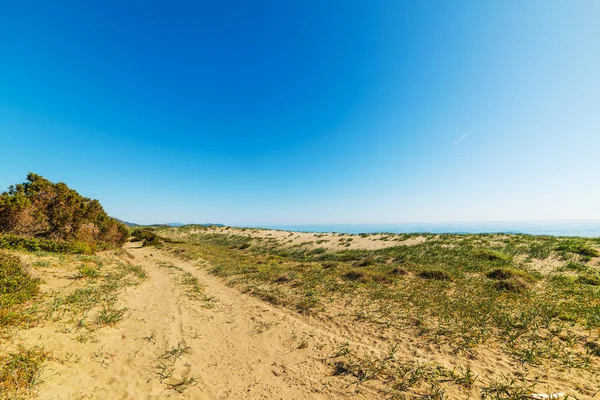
(240, 348)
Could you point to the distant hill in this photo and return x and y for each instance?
(176, 224)
(173, 224)
(127, 223)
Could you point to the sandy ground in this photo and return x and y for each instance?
(239, 347)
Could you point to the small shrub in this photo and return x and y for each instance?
(499, 274)
(399, 271)
(283, 278)
(341, 368)
(146, 236)
(354, 275)
(594, 348)
(516, 285)
(508, 273)
(435, 274)
(366, 262)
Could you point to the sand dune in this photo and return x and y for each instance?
(187, 333)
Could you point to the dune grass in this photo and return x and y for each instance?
(16, 287)
(463, 291)
(20, 371)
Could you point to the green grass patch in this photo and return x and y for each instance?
(16, 285)
(578, 247)
(22, 243)
(88, 271)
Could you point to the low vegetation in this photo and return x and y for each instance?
(88, 301)
(22, 243)
(16, 285)
(20, 372)
(534, 300)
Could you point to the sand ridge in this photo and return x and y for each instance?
(328, 241)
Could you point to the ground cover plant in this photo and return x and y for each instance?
(16, 287)
(533, 301)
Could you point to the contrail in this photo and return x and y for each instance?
(463, 137)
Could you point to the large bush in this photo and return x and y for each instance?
(44, 209)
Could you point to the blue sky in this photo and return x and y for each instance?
(282, 112)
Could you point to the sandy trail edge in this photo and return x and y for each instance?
(241, 348)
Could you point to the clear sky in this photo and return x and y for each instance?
(290, 112)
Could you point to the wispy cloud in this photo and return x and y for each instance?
(462, 138)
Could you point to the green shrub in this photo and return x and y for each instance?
(515, 285)
(435, 274)
(370, 260)
(354, 275)
(399, 271)
(42, 209)
(146, 236)
(508, 273)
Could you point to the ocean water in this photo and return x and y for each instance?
(583, 228)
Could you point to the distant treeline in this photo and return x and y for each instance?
(42, 209)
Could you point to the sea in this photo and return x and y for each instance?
(582, 228)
